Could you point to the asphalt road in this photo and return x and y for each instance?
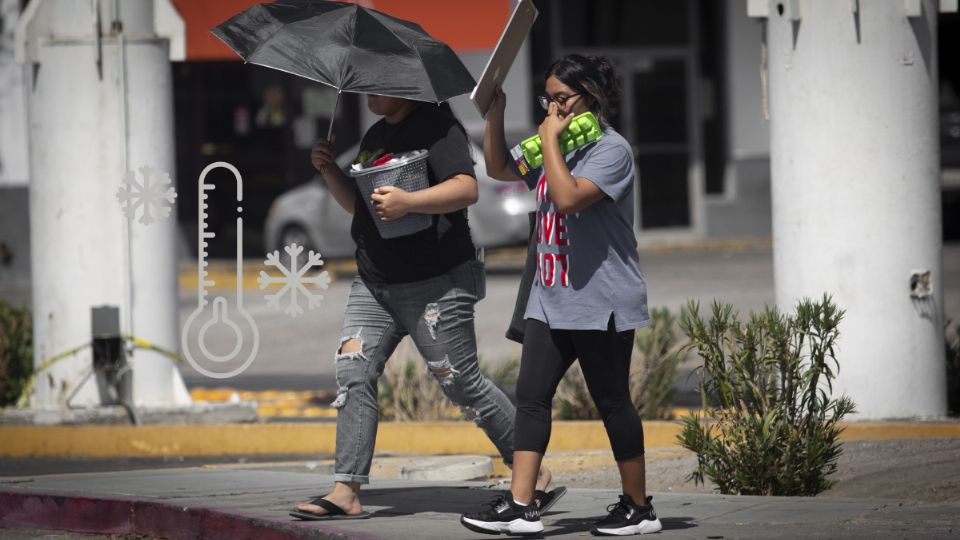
(296, 353)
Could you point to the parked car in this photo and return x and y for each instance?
(309, 215)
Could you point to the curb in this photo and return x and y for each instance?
(318, 438)
(223, 272)
(133, 516)
(274, 403)
(315, 438)
(212, 412)
(301, 404)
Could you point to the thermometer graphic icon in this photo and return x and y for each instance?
(219, 317)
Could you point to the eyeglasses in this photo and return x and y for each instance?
(545, 100)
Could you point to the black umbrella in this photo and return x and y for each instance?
(349, 47)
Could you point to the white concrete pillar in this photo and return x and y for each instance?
(88, 126)
(14, 169)
(856, 188)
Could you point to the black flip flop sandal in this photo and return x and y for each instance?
(546, 499)
(334, 512)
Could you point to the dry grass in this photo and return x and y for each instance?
(657, 351)
(408, 392)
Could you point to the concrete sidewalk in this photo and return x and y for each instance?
(252, 501)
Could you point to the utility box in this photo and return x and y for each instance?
(114, 376)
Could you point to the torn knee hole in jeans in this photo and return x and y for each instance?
(431, 314)
(348, 342)
(443, 371)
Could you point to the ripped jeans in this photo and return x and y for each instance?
(437, 314)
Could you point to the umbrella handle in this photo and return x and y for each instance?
(333, 114)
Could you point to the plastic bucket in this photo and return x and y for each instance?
(407, 172)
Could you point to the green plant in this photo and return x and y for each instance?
(773, 427)
(657, 352)
(952, 345)
(408, 392)
(504, 375)
(653, 369)
(572, 400)
(16, 352)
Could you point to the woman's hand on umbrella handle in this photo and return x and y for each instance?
(390, 202)
(321, 155)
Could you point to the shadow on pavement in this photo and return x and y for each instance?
(414, 500)
(677, 523)
(456, 500)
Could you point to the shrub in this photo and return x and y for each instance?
(656, 353)
(572, 400)
(503, 376)
(653, 369)
(408, 392)
(766, 385)
(16, 352)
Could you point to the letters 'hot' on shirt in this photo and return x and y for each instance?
(587, 263)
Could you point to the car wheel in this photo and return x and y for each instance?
(295, 234)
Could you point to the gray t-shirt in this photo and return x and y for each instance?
(587, 263)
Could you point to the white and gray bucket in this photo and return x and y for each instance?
(408, 171)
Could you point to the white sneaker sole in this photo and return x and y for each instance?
(517, 526)
(644, 527)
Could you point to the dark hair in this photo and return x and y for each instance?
(447, 111)
(593, 76)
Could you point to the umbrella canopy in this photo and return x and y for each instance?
(349, 47)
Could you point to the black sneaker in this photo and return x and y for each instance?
(626, 518)
(505, 516)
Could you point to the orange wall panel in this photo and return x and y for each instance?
(464, 25)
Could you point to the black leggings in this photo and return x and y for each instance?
(605, 360)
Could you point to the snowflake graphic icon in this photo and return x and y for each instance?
(155, 193)
(294, 280)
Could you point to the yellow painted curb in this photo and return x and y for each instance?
(166, 440)
(224, 274)
(314, 438)
(310, 403)
(429, 438)
(274, 403)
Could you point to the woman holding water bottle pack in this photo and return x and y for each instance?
(587, 297)
(423, 284)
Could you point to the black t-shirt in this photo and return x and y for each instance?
(446, 243)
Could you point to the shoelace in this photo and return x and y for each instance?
(619, 508)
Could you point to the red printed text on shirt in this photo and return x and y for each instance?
(551, 231)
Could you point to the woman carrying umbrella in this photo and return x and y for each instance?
(587, 299)
(423, 285)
